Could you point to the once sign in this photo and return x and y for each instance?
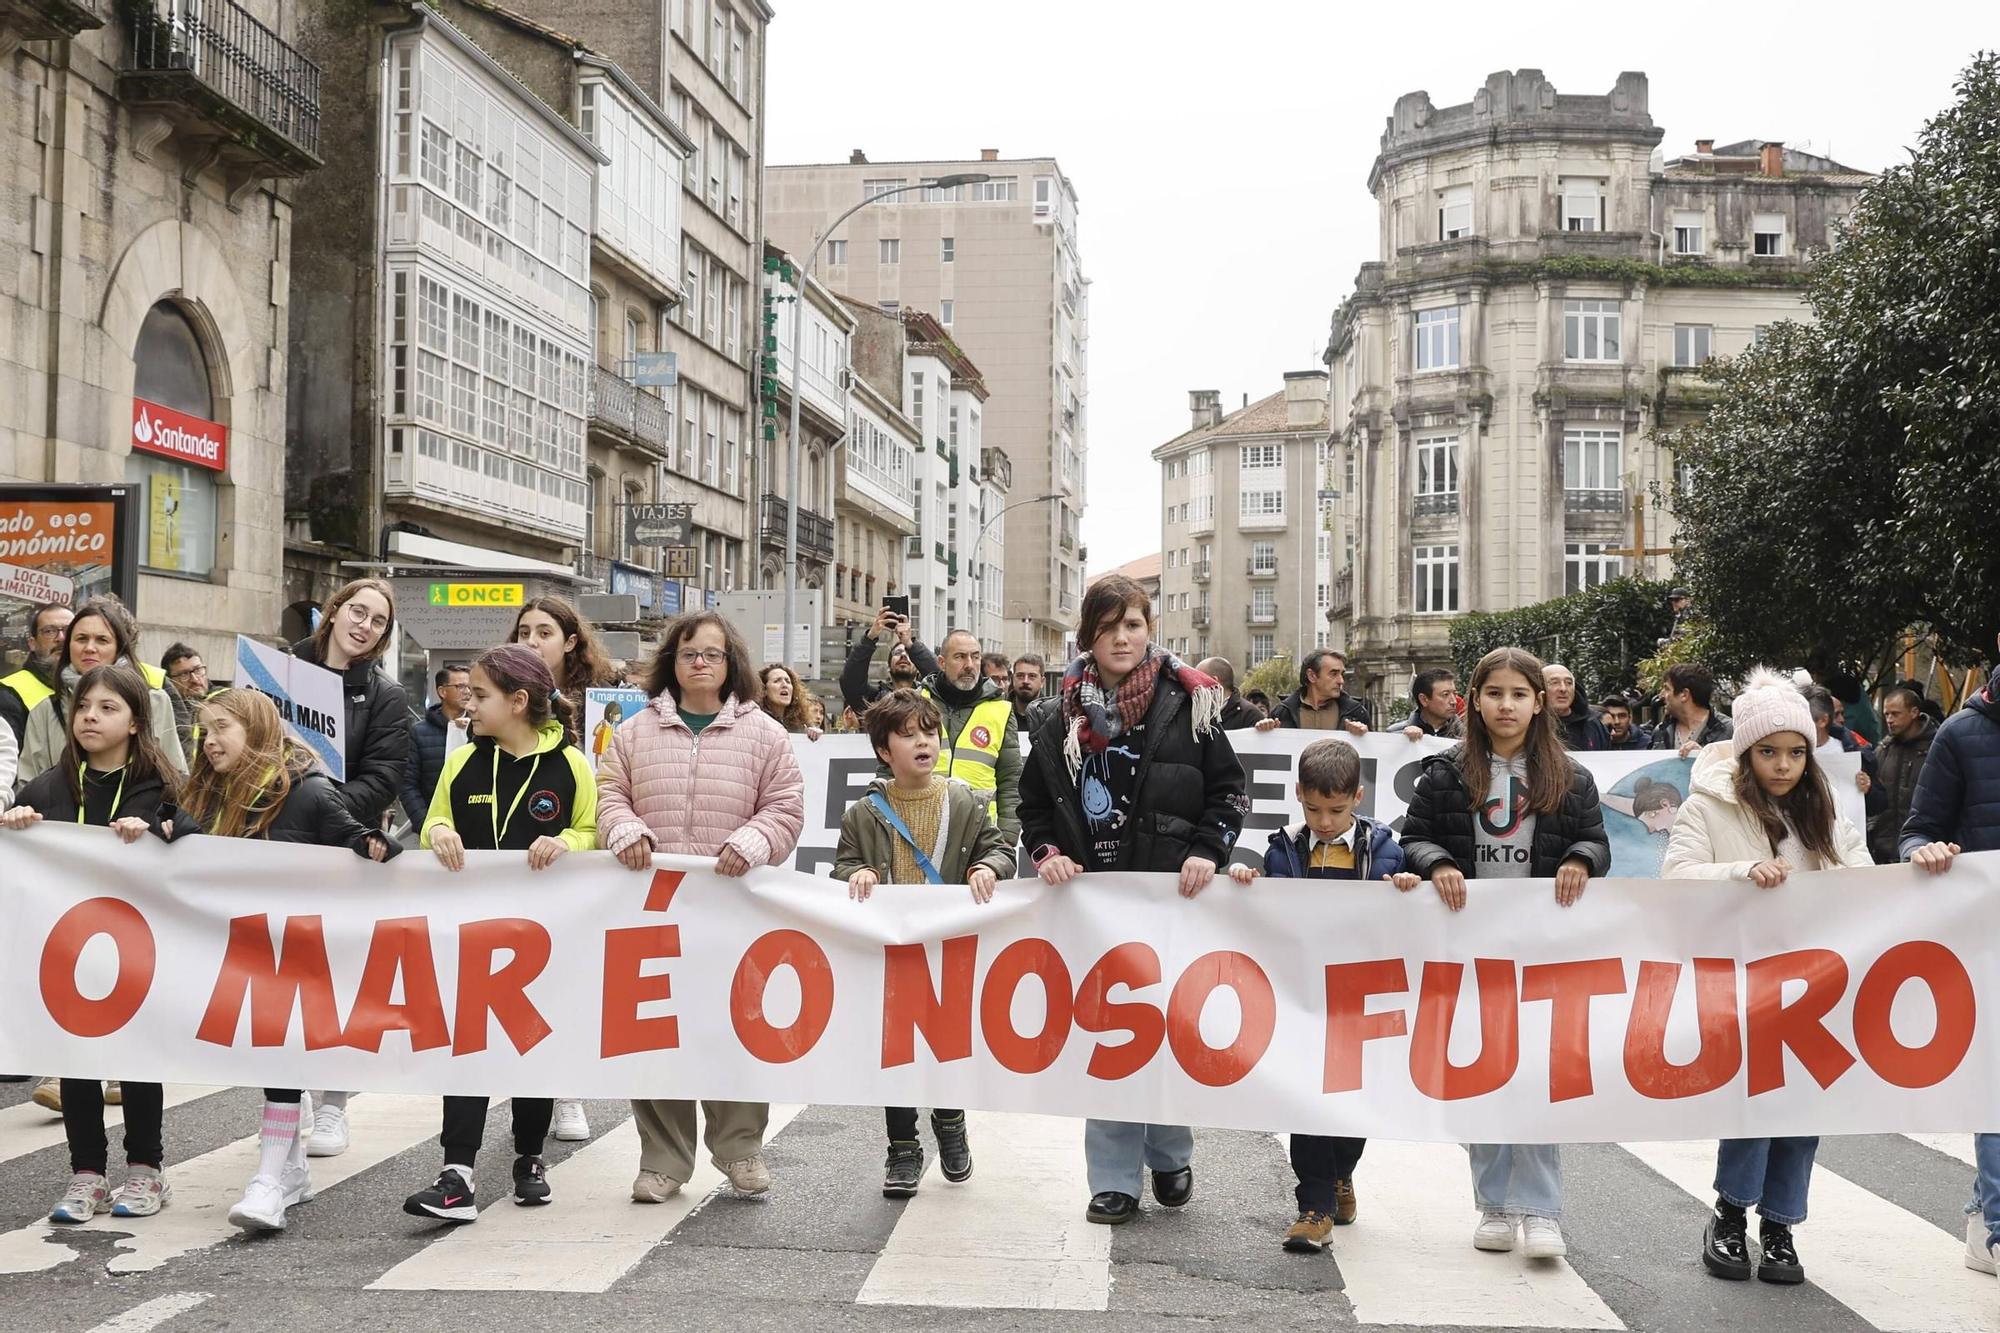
(475, 594)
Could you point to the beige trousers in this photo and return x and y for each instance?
(732, 1130)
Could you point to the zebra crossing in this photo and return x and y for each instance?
(1882, 1248)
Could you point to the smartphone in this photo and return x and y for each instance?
(898, 605)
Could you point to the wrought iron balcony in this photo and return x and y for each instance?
(636, 415)
(1201, 614)
(815, 530)
(1261, 569)
(1430, 506)
(45, 20)
(1202, 569)
(1256, 615)
(1594, 501)
(225, 81)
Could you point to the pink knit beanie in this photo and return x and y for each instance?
(1769, 704)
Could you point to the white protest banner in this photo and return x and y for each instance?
(605, 709)
(1641, 790)
(1844, 1002)
(311, 700)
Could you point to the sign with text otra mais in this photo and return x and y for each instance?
(1844, 1002)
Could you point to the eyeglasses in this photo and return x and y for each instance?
(712, 656)
(358, 613)
(187, 673)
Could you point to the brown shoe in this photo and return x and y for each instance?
(1343, 1203)
(1309, 1234)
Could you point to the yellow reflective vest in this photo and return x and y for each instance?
(974, 757)
(29, 686)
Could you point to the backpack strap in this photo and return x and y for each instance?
(888, 812)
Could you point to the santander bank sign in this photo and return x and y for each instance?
(177, 435)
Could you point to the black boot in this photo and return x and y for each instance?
(1112, 1208)
(954, 1153)
(1781, 1261)
(1725, 1249)
(1172, 1189)
(903, 1170)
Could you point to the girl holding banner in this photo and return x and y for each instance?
(1759, 807)
(1509, 803)
(1134, 772)
(353, 634)
(250, 780)
(112, 773)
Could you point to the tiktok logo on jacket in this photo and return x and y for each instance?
(1505, 826)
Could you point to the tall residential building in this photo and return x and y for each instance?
(150, 150)
(998, 264)
(878, 484)
(703, 61)
(826, 329)
(1243, 565)
(1548, 290)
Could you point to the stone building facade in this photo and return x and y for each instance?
(149, 154)
(1548, 289)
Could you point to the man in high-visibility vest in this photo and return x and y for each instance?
(36, 680)
(984, 746)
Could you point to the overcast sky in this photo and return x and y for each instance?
(1221, 154)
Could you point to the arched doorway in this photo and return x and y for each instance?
(179, 450)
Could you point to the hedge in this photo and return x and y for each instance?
(1601, 634)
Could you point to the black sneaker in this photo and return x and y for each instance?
(903, 1170)
(1725, 1244)
(449, 1200)
(954, 1153)
(531, 1181)
(1780, 1261)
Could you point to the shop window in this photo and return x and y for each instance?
(177, 455)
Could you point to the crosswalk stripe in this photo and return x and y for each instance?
(1011, 1238)
(588, 1237)
(29, 1128)
(380, 1127)
(1951, 1145)
(1886, 1264)
(149, 1315)
(1411, 1261)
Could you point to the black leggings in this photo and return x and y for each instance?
(465, 1127)
(903, 1121)
(83, 1124)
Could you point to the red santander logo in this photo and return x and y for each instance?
(179, 435)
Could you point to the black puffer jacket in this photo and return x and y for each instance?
(378, 737)
(1958, 792)
(1189, 799)
(53, 797)
(1438, 829)
(315, 814)
(420, 776)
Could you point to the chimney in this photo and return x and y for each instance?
(1773, 160)
(856, 158)
(1205, 405)
(1305, 396)
(989, 155)
(1705, 147)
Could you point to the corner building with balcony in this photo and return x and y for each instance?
(1548, 289)
(151, 153)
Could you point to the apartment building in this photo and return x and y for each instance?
(1244, 569)
(151, 152)
(1548, 288)
(879, 486)
(826, 330)
(996, 262)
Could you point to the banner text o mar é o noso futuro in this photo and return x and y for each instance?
(1843, 1002)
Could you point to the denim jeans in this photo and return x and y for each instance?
(1986, 1184)
(1118, 1153)
(1522, 1178)
(1770, 1175)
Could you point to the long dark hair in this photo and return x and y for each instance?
(739, 680)
(116, 618)
(1807, 808)
(584, 666)
(1550, 769)
(324, 634)
(798, 714)
(142, 758)
(517, 668)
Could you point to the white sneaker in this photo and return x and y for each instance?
(262, 1207)
(569, 1125)
(1980, 1257)
(329, 1132)
(1541, 1238)
(748, 1175)
(652, 1187)
(1495, 1232)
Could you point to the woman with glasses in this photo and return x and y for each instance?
(353, 634)
(702, 771)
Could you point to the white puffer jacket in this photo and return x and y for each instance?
(1715, 837)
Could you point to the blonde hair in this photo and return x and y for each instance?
(242, 802)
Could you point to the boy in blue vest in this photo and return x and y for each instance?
(1333, 842)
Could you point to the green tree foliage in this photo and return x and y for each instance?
(1847, 479)
(1599, 633)
(1276, 676)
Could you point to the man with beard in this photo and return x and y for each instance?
(995, 667)
(36, 680)
(855, 686)
(1238, 714)
(982, 743)
(1619, 727)
(1030, 673)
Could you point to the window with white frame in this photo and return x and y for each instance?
(1264, 602)
(1001, 189)
(1691, 343)
(1687, 233)
(1437, 578)
(1437, 465)
(1585, 565)
(1262, 456)
(1264, 503)
(888, 251)
(1454, 212)
(1591, 459)
(947, 249)
(1582, 204)
(944, 313)
(1767, 234)
(1437, 339)
(1263, 647)
(1590, 330)
(1263, 557)
(871, 188)
(836, 252)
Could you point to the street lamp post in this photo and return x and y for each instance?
(979, 538)
(793, 453)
